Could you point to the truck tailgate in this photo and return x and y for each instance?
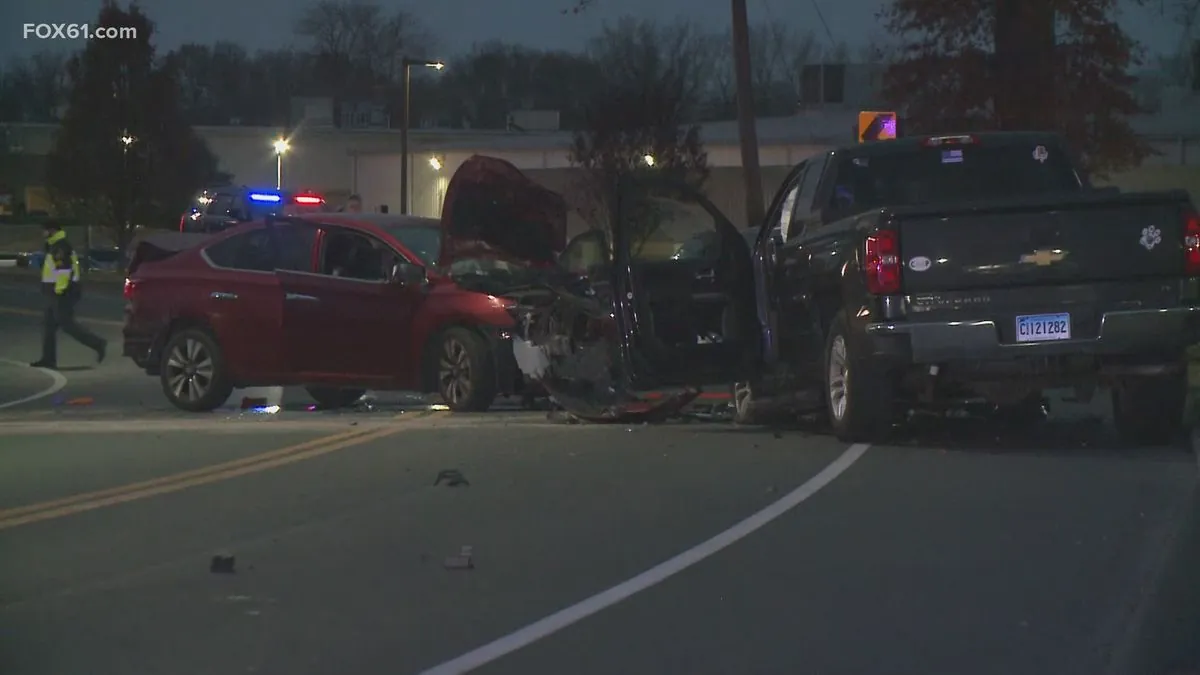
(1067, 240)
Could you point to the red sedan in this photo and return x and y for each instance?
(341, 303)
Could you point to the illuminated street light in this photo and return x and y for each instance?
(281, 146)
(435, 163)
(404, 122)
(648, 159)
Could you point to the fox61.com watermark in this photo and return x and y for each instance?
(77, 31)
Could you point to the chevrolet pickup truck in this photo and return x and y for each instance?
(925, 270)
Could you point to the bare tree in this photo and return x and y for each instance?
(357, 44)
(649, 90)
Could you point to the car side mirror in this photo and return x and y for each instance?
(404, 274)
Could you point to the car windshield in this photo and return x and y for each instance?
(961, 172)
(423, 241)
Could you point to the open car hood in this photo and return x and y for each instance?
(163, 245)
(493, 211)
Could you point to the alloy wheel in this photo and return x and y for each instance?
(838, 372)
(190, 370)
(454, 372)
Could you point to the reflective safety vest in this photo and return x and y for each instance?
(61, 265)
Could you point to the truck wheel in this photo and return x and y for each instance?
(744, 404)
(858, 396)
(465, 370)
(193, 373)
(1149, 410)
(333, 398)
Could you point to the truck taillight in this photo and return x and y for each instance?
(130, 287)
(881, 261)
(1191, 244)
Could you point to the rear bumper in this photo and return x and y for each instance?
(1158, 332)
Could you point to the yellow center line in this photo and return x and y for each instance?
(20, 311)
(66, 506)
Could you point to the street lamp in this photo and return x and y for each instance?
(281, 146)
(404, 122)
(648, 159)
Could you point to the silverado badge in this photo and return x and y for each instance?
(1043, 257)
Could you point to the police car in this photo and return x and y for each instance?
(221, 208)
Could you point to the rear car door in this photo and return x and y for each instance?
(346, 322)
(244, 306)
(684, 284)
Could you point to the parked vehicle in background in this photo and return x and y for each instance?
(338, 303)
(928, 270)
(218, 209)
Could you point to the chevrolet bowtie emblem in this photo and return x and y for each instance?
(1043, 258)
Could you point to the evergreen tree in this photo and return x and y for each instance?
(124, 154)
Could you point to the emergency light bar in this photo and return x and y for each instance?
(265, 197)
(308, 200)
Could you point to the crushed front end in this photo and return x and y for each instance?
(566, 340)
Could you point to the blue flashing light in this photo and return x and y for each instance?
(265, 197)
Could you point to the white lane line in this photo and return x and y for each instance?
(651, 577)
(58, 381)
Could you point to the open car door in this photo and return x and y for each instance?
(684, 288)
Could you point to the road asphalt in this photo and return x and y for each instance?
(697, 548)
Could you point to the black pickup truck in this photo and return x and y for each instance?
(926, 270)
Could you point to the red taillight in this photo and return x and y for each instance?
(1191, 244)
(882, 262)
(130, 287)
(183, 223)
(308, 200)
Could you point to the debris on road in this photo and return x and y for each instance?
(222, 563)
(452, 478)
(463, 561)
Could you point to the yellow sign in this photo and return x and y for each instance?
(1043, 258)
(876, 126)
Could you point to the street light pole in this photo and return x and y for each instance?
(407, 64)
(281, 146)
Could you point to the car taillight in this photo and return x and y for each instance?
(130, 287)
(1191, 244)
(882, 262)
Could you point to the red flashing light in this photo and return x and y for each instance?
(881, 257)
(1191, 244)
(309, 200)
(935, 141)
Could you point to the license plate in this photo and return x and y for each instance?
(1042, 327)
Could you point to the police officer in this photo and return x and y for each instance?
(62, 289)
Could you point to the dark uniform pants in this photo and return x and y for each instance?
(60, 314)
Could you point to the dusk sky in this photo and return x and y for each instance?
(459, 23)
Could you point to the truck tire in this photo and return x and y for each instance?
(859, 396)
(332, 398)
(192, 371)
(1149, 410)
(745, 404)
(464, 370)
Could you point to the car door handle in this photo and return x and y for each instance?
(219, 295)
(706, 275)
(300, 297)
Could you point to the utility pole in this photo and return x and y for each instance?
(748, 134)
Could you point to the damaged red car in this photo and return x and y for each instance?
(343, 303)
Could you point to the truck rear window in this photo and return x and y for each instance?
(950, 173)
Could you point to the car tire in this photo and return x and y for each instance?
(332, 398)
(859, 396)
(464, 370)
(1149, 410)
(193, 373)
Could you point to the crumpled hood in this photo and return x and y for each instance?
(493, 211)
